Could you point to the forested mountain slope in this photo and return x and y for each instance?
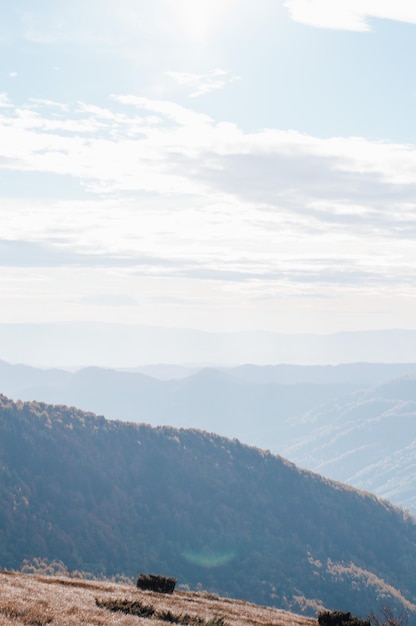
(115, 497)
(336, 420)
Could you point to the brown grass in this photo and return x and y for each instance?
(32, 600)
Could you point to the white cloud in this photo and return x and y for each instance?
(4, 101)
(174, 194)
(200, 84)
(352, 15)
(109, 299)
(293, 181)
(155, 145)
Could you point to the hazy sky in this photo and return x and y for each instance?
(215, 164)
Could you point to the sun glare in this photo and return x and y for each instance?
(198, 18)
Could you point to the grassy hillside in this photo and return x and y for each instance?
(66, 601)
(112, 497)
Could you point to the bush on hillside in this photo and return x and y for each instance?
(156, 582)
(339, 618)
(135, 607)
(126, 606)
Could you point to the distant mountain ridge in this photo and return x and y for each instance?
(368, 440)
(80, 344)
(209, 399)
(362, 374)
(115, 497)
(337, 420)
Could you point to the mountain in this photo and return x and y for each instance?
(213, 400)
(114, 497)
(357, 374)
(349, 422)
(79, 344)
(367, 439)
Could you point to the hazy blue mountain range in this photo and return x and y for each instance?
(360, 374)
(115, 345)
(116, 497)
(367, 439)
(346, 422)
(211, 400)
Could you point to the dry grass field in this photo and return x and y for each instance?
(34, 600)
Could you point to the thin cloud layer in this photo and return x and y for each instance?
(354, 15)
(198, 85)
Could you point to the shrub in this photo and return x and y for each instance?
(155, 582)
(189, 620)
(126, 606)
(339, 618)
(135, 607)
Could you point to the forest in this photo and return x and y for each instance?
(110, 497)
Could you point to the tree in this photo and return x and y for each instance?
(387, 617)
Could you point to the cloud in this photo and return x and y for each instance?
(200, 84)
(142, 144)
(292, 275)
(351, 15)
(172, 193)
(109, 299)
(4, 101)
(20, 253)
(139, 145)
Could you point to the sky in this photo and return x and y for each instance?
(212, 164)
